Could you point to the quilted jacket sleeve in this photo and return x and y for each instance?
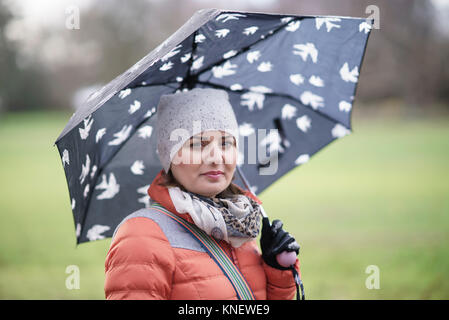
(140, 262)
(280, 283)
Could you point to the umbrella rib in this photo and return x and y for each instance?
(154, 84)
(208, 68)
(282, 95)
(188, 76)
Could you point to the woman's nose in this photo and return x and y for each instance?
(213, 154)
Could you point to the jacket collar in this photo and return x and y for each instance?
(161, 195)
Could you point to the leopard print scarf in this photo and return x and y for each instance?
(235, 219)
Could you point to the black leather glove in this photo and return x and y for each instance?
(275, 240)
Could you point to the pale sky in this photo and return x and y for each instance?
(443, 15)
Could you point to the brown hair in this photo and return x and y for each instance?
(168, 180)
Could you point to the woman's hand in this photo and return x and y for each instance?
(275, 240)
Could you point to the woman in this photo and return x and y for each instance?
(153, 257)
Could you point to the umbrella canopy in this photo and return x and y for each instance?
(295, 75)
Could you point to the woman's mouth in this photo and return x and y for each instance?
(214, 174)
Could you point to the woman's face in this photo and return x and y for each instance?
(205, 164)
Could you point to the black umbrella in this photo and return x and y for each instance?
(294, 76)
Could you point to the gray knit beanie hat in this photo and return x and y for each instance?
(187, 113)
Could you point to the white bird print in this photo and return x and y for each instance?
(166, 66)
(293, 26)
(100, 133)
(197, 63)
(179, 79)
(225, 70)
(273, 140)
(199, 38)
(65, 157)
(365, 26)
(315, 101)
(316, 81)
(172, 53)
(84, 132)
(253, 189)
(261, 89)
(110, 188)
(253, 56)
(85, 168)
(288, 111)
(95, 233)
(246, 129)
(73, 203)
(221, 33)
(286, 19)
(339, 131)
(236, 86)
(150, 112)
(86, 191)
(124, 93)
(265, 66)
(303, 123)
(146, 198)
(153, 62)
(145, 132)
(137, 167)
(134, 106)
(92, 172)
(328, 22)
(121, 136)
(302, 159)
(250, 30)
(230, 54)
(78, 230)
(305, 50)
(250, 99)
(344, 106)
(349, 75)
(229, 16)
(185, 57)
(297, 79)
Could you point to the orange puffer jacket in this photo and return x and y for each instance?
(152, 257)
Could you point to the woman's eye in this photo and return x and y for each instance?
(198, 144)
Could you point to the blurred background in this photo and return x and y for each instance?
(379, 197)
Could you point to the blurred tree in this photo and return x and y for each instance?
(113, 36)
(406, 58)
(416, 46)
(20, 87)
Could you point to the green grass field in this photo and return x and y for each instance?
(379, 196)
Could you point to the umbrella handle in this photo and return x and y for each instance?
(286, 258)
